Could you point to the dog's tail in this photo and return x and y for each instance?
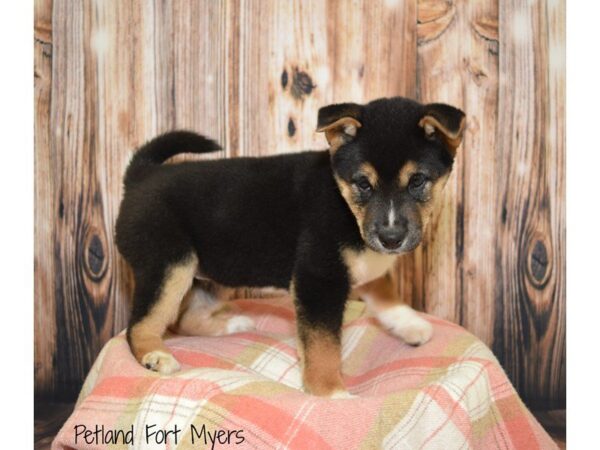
(161, 148)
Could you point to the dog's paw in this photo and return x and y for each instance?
(416, 333)
(337, 393)
(340, 394)
(161, 362)
(404, 322)
(239, 324)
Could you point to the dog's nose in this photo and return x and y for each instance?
(391, 237)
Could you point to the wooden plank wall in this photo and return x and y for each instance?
(252, 73)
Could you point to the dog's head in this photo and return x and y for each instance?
(391, 158)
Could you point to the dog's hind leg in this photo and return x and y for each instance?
(158, 295)
(206, 312)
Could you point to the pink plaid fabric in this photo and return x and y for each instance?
(243, 391)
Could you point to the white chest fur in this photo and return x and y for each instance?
(367, 265)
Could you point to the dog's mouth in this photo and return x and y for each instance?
(406, 244)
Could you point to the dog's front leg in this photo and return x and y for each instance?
(399, 318)
(320, 305)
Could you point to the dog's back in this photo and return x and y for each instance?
(241, 216)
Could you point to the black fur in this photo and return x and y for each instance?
(265, 221)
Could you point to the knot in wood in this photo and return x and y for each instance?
(538, 263)
(95, 257)
(302, 84)
(291, 127)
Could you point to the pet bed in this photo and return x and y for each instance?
(243, 391)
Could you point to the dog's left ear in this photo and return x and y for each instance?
(340, 123)
(445, 122)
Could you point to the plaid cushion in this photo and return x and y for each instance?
(243, 391)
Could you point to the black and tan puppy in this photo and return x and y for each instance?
(317, 223)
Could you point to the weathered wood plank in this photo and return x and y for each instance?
(232, 88)
(440, 78)
(115, 127)
(304, 55)
(458, 63)
(45, 212)
(158, 61)
(198, 43)
(68, 141)
(480, 177)
(554, 391)
(252, 74)
(390, 54)
(92, 104)
(529, 332)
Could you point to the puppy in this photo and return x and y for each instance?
(318, 223)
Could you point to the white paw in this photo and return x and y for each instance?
(417, 333)
(161, 362)
(239, 324)
(342, 394)
(404, 322)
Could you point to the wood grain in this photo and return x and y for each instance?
(49, 417)
(478, 170)
(477, 214)
(252, 74)
(529, 332)
(45, 212)
(440, 78)
(66, 116)
(83, 283)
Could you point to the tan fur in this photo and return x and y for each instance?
(321, 360)
(426, 209)
(369, 171)
(434, 189)
(337, 131)
(407, 171)
(146, 335)
(347, 192)
(366, 265)
(204, 313)
(380, 292)
(400, 319)
(452, 139)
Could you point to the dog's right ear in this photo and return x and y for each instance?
(340, 123)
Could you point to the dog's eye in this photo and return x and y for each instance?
(417, 180)
(364, 185)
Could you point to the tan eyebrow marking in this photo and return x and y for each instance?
(358, 210)
(369, 171)
(427, 208)
(407, 171)
(348, 192)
